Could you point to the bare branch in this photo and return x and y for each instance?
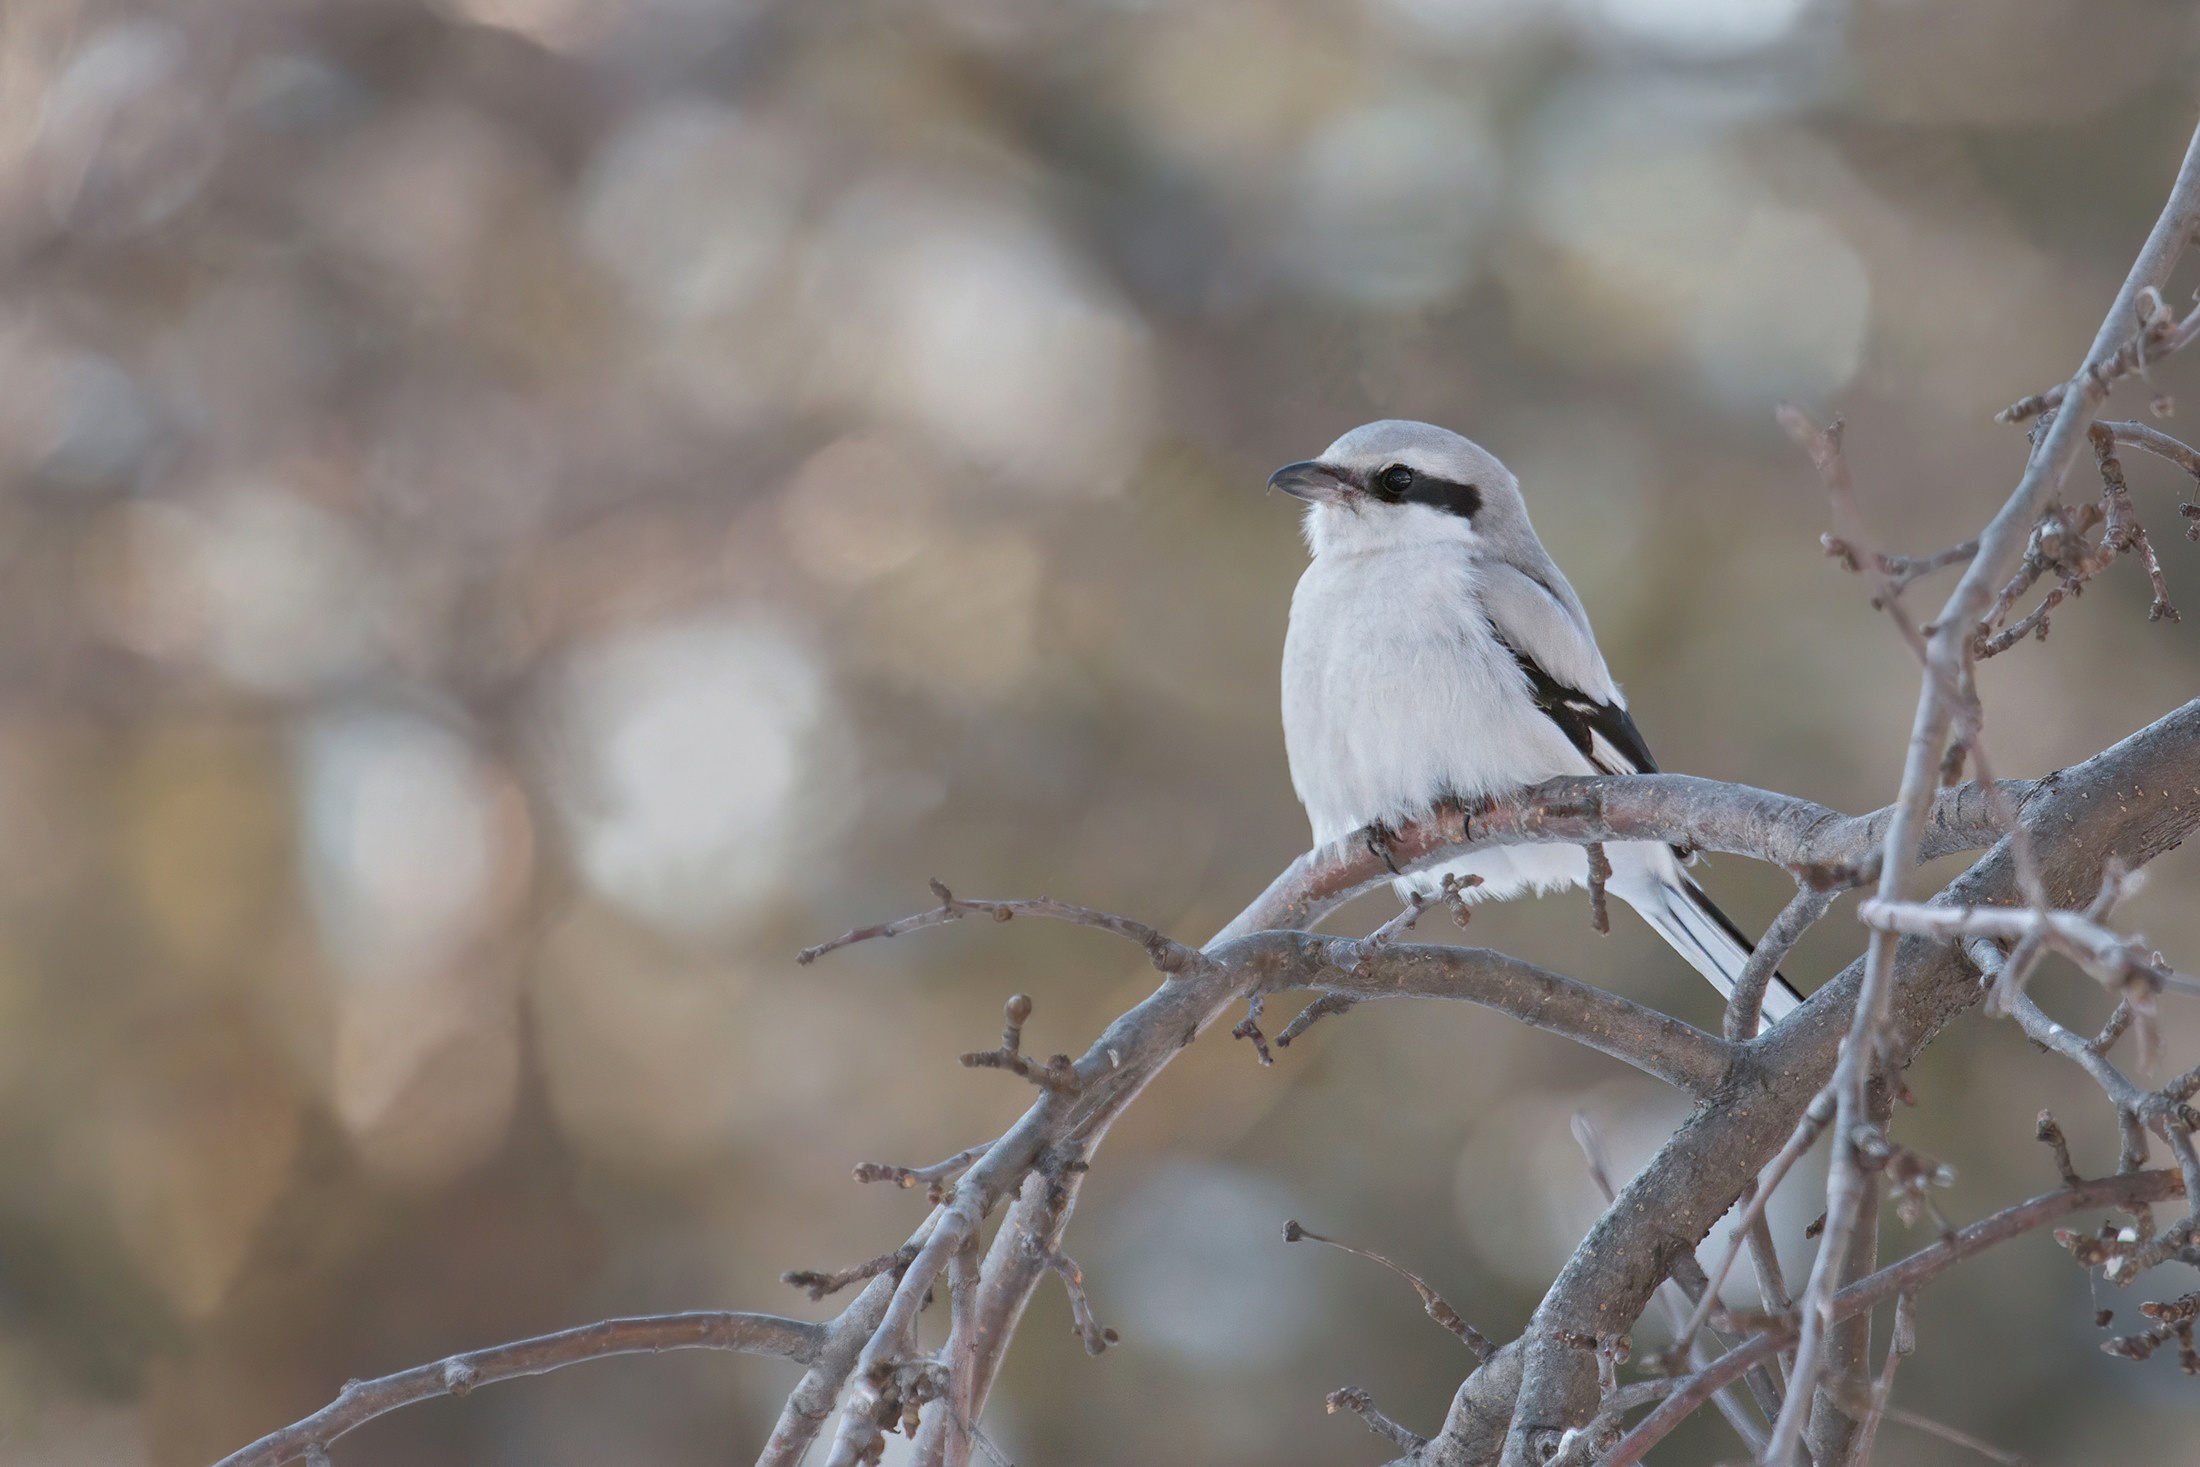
(2158, 443)
(1948, 654)
(1600, 871)
(868, 1357)
(1904, 1343)
(1898, 571)
(2058, 543)
(1057, 1074)
(1665, 1209)
(1802, 912)
(1659, 1045)
(2052, 1134)
(1824, 447)
(1954, 1437)
(1166, 954)
(1684, 1290)
(1905, 1277)
(1097, 1339)
(2119, 1019)
(813, 1398)
(2159, 334)
(2116, 962)
(2184, 1086)
(930, 1176)
(1433, 1302)
(2125, 533)
(1321, 1008)
(1805, 1135)
(1372, 945)
(1821, 846)
(457, 1375)
(1361, 1404)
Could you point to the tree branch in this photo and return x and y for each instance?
(458, 1375)
(2079, 818)
(871, 1345)
(1822, 846)
(1657, 1044)
(1905, 1277)
(1949, 650)
(1802, 912)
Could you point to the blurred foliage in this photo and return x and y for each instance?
(516, 515)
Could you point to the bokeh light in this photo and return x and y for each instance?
(517, 516)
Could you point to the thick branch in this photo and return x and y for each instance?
(1657, 1044)
(1822, 845)
(2079, 819)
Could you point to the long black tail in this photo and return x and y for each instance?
(1707, 938)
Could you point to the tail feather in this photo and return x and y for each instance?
(1695, 927)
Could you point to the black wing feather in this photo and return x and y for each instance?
(1584, 720)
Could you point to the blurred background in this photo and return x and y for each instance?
(518, 515)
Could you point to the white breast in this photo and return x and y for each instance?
(1396, 695)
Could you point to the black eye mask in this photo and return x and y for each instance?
(1399, 484)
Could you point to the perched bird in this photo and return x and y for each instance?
(1437, 653)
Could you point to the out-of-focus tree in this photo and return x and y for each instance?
(519, 514)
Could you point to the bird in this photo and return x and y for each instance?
(1436, 653)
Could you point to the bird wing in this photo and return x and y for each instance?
(1605, 733)
(1548, 635)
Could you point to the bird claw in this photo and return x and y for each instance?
(1379, 837)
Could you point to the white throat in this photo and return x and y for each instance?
(1358, 529)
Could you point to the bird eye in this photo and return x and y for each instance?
(1397, 478)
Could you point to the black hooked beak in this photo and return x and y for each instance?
(1316, 483)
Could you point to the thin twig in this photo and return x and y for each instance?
(2159, 334)
(1058, 1074)
(457, 1375)
(1745, 1003)
(1904, 1342)
(1906, 1276)
(2158, 443)
(1372, 945)
(1899, 571)
(1600, 872)
(928, 1176)
(1824, 447)
(821, 1285)
(1362, 1405)
(1958, 1438)
(1431, 1301)
(1096, 1338)
(1166, 954)
(2052, 1134)
(1805, 1135)
(1685, 1289)
(1321, 1008)
(2116, 962)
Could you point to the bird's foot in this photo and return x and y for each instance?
(1380, 838)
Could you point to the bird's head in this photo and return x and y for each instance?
(1395, 484)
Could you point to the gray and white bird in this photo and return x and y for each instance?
(1437, 653)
